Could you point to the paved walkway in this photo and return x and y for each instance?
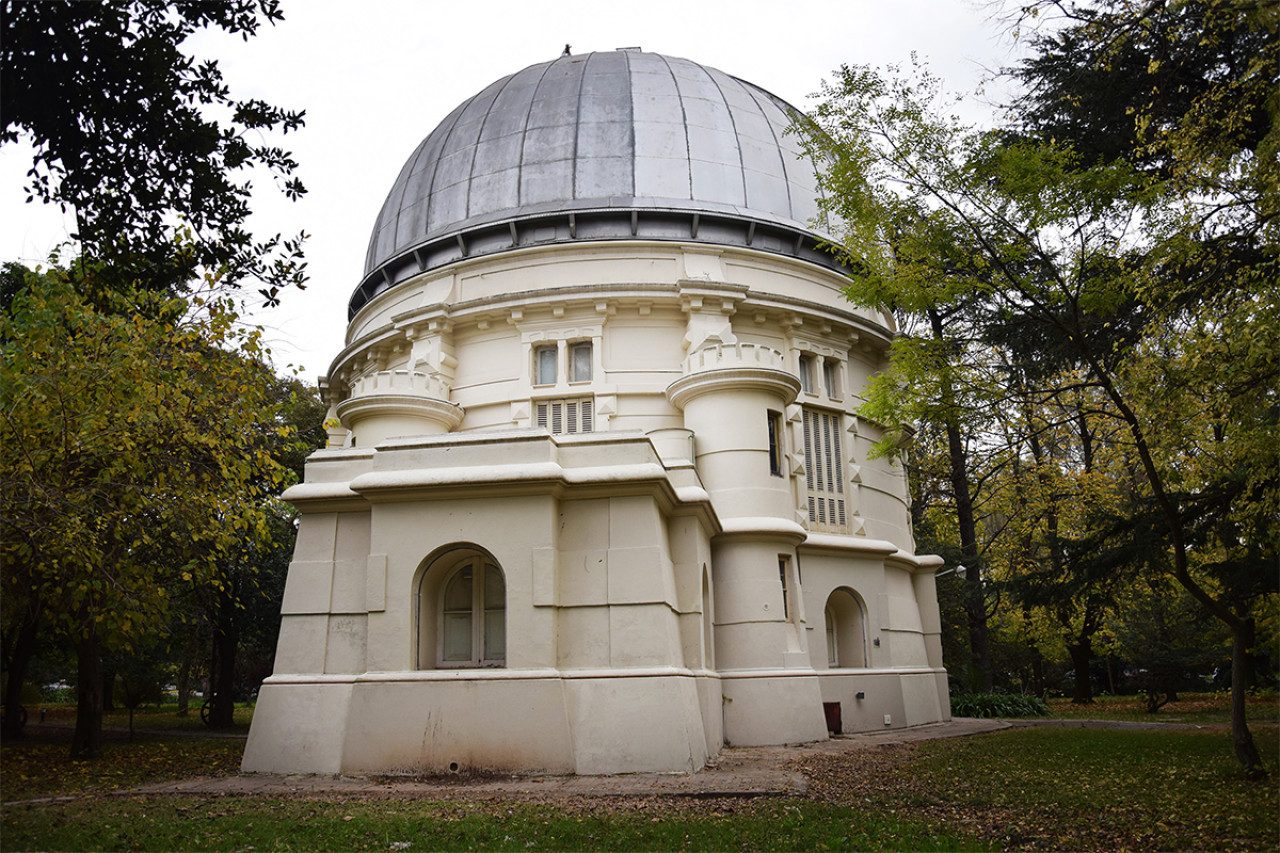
(737, 772)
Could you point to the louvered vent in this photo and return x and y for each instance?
(564, 416)
(824, 471)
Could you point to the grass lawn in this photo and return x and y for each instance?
(1083, 789)
(146, 717)
(1198, 708)
(1025, 789)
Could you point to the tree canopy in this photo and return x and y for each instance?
(1126, 278)
(141, 439)
(138, 455)
(139, 138)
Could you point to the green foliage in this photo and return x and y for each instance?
(984, 705)
(122, 118)
(1041, 285)
(138, 447)
(142, 443)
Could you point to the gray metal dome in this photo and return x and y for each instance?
(617, 145)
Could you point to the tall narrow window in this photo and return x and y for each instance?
(473, 630)
(824, 471)
(829, 378)
(805, 366)
(775, 443)
(786, 598)
(544, 365)
(580, 362)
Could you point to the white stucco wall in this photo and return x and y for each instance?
(645, 621)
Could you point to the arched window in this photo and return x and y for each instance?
(462, 618)
(846, 630)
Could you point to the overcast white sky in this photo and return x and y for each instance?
(376, 76)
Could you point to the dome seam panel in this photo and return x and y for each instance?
(524, 134)
(737, 138)
(756, 94)
(475, 148)
(684, 123)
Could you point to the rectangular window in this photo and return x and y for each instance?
(775, 443)
(806, 373)
(829, 378)
(824, 471)
(580, 362)
(782, 576)
(563, 417)
(544, 365)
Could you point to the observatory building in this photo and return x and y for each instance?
(596, 498)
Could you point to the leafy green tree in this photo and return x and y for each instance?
(138, 452)
(152, 153)
(1185, 92)
(1098, 271)
(1167, 637)
(127, 131)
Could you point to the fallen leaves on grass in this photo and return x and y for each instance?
(1061, 790)
(34, 769)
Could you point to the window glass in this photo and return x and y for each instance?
(457, 595)
(829, 378)
(495, 636)
(473, 615)
(544, 366)
(782, 576)
(495, 591)
(580, 362)
(775, 444)
(806, 374)
(457, 636)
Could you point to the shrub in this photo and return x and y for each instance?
(998, 705)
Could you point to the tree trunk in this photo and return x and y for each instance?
(1081, 653)
(975, 601)
(189, 651)
(86, 742)
(1242, 639)
(1037, 673)
(16, 676)
(108, 690)
(226, 637)
(222, 709)
(184, 687)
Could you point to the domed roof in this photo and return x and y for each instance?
(615, 145)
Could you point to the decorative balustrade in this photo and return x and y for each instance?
(409, 383)
(722, 356)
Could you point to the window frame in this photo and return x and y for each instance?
(572, 348)
(539, 352)
(831, 378)
(774, 421)
(784, 576)
(479, 624)
(804, 368)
